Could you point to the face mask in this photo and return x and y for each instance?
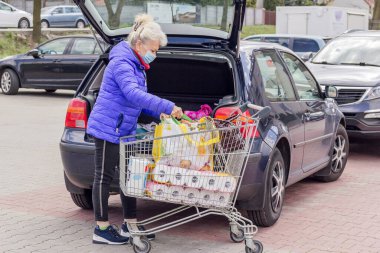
(149, 57)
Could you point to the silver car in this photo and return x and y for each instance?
(62, 16)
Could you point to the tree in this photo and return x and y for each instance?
(224, 16)
(376, 11)
(376, 16)
(114, 17)
(271, 5)
(36, 36)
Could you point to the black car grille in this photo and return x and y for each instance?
(346, 96)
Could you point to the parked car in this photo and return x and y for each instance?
(351, 62)
(300, 44)
(62, 16)
(10, 16)
(59, 63)
(304, 135)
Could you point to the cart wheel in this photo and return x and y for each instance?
(147, 246)
(239, 237)
(258, 247)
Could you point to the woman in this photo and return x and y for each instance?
(122, 97)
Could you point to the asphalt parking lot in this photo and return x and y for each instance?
(37, 214)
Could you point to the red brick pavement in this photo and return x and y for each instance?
(342, 216)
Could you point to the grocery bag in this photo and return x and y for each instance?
(188, 146)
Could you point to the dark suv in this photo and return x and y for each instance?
(351, 63)
(303, 136)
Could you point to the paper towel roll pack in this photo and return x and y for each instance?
(157, 191)
(215, 181)
(137, 173)
(191, 196)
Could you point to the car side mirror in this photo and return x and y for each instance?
(34, 52)
(331, 92)
(307, 56)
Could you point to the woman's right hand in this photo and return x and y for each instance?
(177, 112)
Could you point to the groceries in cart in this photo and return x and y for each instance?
(191, 162)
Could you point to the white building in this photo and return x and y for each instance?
(367, 5)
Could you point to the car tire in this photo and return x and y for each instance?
(339, 156)
(9, 82)
(84, 200)
(80, 24)
(44, 24)
(50, 90)
(23, 23)
(275, 183)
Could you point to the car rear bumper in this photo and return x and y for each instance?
(362, 119)
(78, 160)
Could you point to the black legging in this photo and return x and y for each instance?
(106, 161)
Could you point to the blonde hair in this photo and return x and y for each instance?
(145, 29)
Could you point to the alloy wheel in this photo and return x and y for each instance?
(24, 24)
(339, 154)
(6, 82)
(80, 25)
(278, 188)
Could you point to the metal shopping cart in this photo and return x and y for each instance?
(200, 169)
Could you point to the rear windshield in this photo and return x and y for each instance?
(217, 14)
(305, 45)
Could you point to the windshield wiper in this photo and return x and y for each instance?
(323, 62)
(359, 64)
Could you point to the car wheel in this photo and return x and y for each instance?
(44, 24)
(23, 23)
(339, 156)
(80, 24)
(82, 200)
(50, 90)
(9, 82)
(275, 193)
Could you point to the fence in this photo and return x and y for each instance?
(374, 25)
(206, 15)
(270, 17)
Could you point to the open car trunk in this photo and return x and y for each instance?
(187, 79)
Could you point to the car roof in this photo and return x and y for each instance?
(252, 45)
(370, 33)
(287, 36)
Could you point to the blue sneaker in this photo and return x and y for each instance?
(108, 236)
(125, 232)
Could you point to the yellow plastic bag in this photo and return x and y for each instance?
(187, 146)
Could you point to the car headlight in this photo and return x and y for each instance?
(374, 93)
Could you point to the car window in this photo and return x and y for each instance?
(306, 86)
(70, 10)
(97, 48)
(83, 46)
(5, 7)
(255, 39)
(277, 84)
(282, 41)
(305, 45)
(58, 10)
(55, 47)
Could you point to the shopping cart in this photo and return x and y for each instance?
(159, 168)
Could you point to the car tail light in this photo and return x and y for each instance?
(227, 112)
(76, 116)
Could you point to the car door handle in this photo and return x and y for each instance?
(56, 60)
(92, 60)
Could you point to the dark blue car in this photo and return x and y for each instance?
(303, 136)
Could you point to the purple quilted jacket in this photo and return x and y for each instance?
(122, 97)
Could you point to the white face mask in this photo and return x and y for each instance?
(149, 57)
